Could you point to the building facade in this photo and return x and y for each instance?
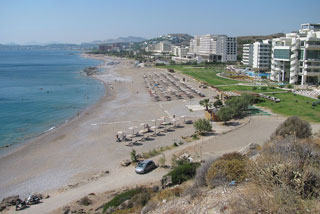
(219, 47)
(247, 55)
(257, 55)
(296, 57)
(261, 60)
(179, 51)
(161, 47)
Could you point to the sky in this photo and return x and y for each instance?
(76, 21)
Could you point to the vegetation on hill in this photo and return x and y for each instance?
(251, 39)
(284, 177)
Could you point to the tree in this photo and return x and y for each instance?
(293, 126)
(202, 126)
(217, 103)
(133, 155)
(225, 114)
(206, 103)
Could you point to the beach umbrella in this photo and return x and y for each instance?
(155, 121)
(155, 129)
(131, 128)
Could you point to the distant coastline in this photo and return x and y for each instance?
(8, 147)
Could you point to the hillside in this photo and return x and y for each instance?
(250, 39)
(179, 39)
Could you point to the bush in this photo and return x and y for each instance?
(230, 167)
(217, 103)
(200, 178)
(293, 126)
(202, 126)
(264, 88)
(85, 201)
(289, 86)
(225, 114)
(289, 163)
(133, 155)
(253, 198)
(183, 172)
(120, 198)
(254, 88)
(318, 96)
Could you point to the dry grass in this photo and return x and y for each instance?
(229, 167)
(253, 199)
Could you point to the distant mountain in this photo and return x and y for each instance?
(128, 39)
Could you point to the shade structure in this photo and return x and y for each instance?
(121, 132)
(132, 128)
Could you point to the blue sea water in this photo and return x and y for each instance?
(39, 89)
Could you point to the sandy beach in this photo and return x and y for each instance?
(77, 152)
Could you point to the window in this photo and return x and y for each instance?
(282, 53)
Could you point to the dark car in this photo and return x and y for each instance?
(145, 166)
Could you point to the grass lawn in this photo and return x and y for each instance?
(291, 105)
(205, 74)
(248, 88)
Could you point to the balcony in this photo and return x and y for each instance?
(312, 47)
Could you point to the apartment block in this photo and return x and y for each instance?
(257, 55)
(296, 57)
(161, 47)
(215, 47)
(179, 51)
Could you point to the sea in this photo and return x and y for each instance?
(41, 89)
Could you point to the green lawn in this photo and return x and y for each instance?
(291, 105)
(205, 74)
(248, 88)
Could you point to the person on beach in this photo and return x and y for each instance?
(117, 138)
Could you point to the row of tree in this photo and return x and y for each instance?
(235, 107)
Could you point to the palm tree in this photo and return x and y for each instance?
(206, 103)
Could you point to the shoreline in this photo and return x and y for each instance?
(11, 148)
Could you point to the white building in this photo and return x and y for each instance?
(161, 47)
(247, 55)
(215, 47)
(257, 55)
(296, 57)
(179, 51)
(262, 55)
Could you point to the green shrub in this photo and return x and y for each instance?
(133, 155)
(318, 96)
(264, 88)
(293, 126)
(254, 88)
(230, 167)
(272, 87)
(217, 103)
(183, 172)
(225, 114)
(281, 86)
(120, 198)
(202, 126)
(289, 86)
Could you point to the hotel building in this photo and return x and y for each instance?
(220, 48)
(296, 57)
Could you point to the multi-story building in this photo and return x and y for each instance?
(215, 47)
(247, 55)
(262, 55)
(161, 47)
(257, 55)
(296, 57)
(179, 51)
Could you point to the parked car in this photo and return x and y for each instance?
(145, 166)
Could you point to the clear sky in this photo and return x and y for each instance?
(76, 21)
